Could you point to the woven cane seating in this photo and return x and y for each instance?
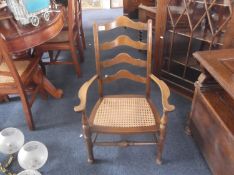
(125, 111)
(124, 114)
(20, 66)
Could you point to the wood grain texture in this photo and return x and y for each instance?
(123, 40)
(82, 94)
(215, 63)
(123, 21)
(124, 74)
(165, 93)
(123, 58)
(212, 115)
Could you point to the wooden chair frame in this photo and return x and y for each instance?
(159, 130)
(32, 74)
(71, 43)
(80, 23)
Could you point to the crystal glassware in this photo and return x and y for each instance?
(11, 140)
(29, 172)
(32, 155)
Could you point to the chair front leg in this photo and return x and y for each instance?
(162, 136)
(27, 111)
(88, 139)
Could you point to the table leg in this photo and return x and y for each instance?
(47, 85)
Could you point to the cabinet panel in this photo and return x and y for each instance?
(211, 131)
(190, 26)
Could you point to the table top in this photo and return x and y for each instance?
(22, 37)
(220, 64)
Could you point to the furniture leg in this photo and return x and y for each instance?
(75, 61)
(163, 127)
(83, 37)
(47, 85)
(88, 140)
(27, 111)
(42, 67)
(80, 47)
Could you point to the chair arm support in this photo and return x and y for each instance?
(82, 94)
(165, 93)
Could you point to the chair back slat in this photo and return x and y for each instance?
(123, 58)
(124, 74)
(123, 21)
(123, 40)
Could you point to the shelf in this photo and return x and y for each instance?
(199, 35)
(192, 63)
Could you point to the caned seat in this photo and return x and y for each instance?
(20, 66)
(124, 114)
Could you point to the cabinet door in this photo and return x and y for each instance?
(190, 26)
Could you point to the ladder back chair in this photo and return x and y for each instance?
(67, 39)
(17, 75)
(124, 114)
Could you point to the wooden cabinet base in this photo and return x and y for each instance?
(212, 115)
(211, 123)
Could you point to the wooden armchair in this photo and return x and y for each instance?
(17, 75)
(67, 39)
(124, 114)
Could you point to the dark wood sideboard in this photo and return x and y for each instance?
(130, 7)
(212, 116)
(147, 12)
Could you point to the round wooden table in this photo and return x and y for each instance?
(21, 38)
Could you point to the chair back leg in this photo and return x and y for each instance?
(83, 37)
(75, 60)
(80, 47)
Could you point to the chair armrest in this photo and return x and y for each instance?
(165, 93)
(82, 94)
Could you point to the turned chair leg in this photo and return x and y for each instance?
(161, 143)
(27, 111)
(89, 144)
(80, 47)
(75, 61)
